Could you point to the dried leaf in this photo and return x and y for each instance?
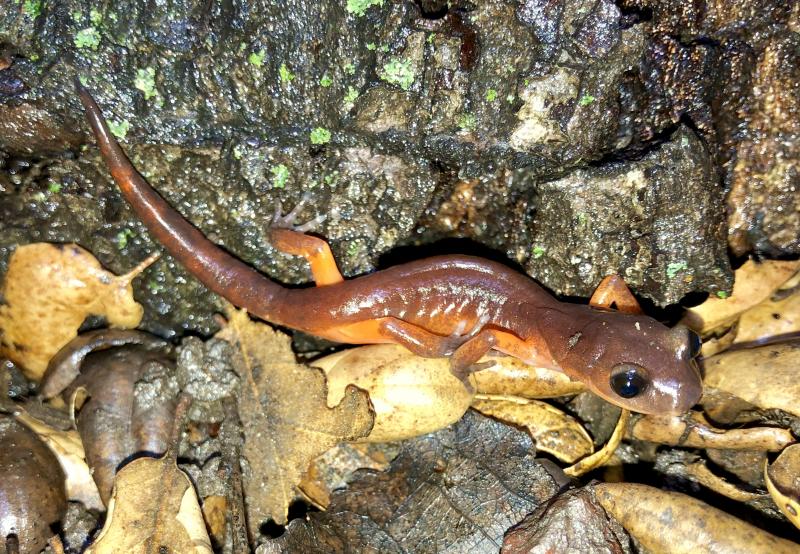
(68, 449)
(605, 454)
(771, 318)
(32, 499)
(116, 423)
(572, 522)
(754, 283)
(673, 522)
(511, 377)
(335, 468)
(48, 292)
(686, 465)
(691, 430)
(286, 421)
(153, 509)
(215, 513)
(554, 431)
(783, 483)
(411, 395)
(765, 376)
(453, 491)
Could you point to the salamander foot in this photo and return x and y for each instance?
(280, 221)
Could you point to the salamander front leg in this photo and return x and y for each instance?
(464, 350)
(612, 291)
(418, 340)
(291, 239)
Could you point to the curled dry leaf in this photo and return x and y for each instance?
(765, 376)
(153, 509)
(48, 292)
(754, 283)
(65, 366)
(115, 423)
(554, 431)
(686, 465)
(777, 316)
(604, 455)
(68, 449)
(673, 522)
(410, 395)
(32, 496)
(693, 431)
(511, 377)
(783, 483)
(284, 415)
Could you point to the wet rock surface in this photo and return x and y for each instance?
(572, 138)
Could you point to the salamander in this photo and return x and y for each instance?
(453, 305)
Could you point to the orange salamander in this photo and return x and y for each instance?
(456, 306)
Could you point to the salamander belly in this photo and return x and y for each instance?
(361, 332)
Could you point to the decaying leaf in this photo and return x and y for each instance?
(754, 283)
(68, 449)
(765, 376)
(334, 469)
(510, 377)
(687, 465)
(771, 318)
(153, 509)
(411, 395)
(673, 522)
(132, 394)
(554, 431)
(284, 415)
(65, 366)
(48, 292)
(691, 430)
(32, 497)
(215, 510)
(572, 522)
(453, 491)
(783, 483)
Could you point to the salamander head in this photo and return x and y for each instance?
(630, 360)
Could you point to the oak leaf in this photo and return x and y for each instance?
(285, 418)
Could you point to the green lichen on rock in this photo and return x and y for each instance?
(257, 58)
(320, 135)
(145, 81)
(285, 75)
(359, 7)
(32, 8)
(87, 38)
(119, 128)
(280, 174)
(398, 72)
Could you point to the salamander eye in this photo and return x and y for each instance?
(695, 344)
(628, 380)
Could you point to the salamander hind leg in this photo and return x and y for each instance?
(291, 239)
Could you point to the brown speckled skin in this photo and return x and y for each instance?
(441, 297)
